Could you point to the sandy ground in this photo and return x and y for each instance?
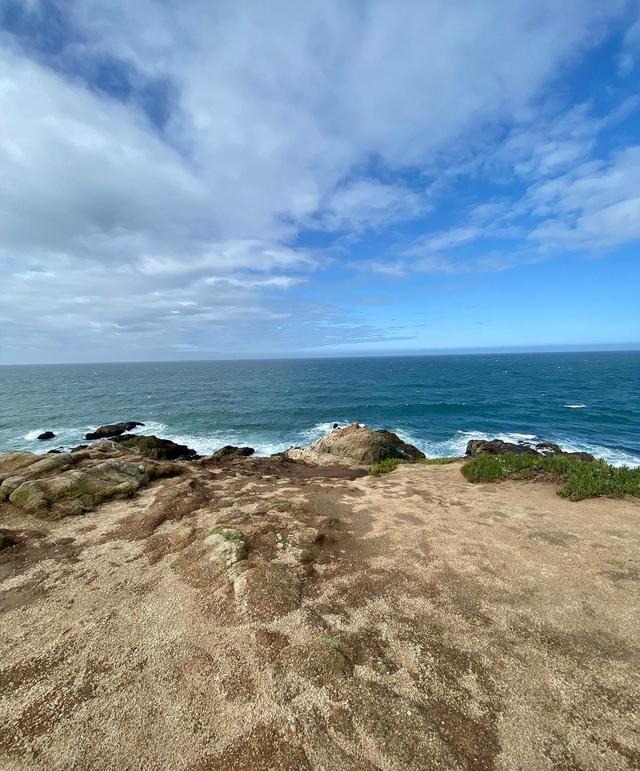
(409, 621)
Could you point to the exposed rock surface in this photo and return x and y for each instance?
(115, 429)
(46, 435)
(229, 452)
(52, 486)
(355, 445)
(498, 447)
(154, 447)
(228, 546)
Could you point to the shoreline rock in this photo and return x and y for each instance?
(153, 447)
(115, 429)
(46, 435)
(355, 445)
(477, 447)
(229, 452)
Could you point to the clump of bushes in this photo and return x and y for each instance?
(579, 478)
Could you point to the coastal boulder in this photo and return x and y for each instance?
(497, 447)
(11, 462)
(355, 445)
(156, 448)
(115, 429)
(46, 435)
(229, 452)
(78, 490)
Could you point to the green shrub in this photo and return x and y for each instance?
(438, 461)
(384, 466)
(580, 479)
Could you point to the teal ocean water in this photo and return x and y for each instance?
(583, 401)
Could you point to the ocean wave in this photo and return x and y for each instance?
(266, 445)
(575, 406)
(457, 445)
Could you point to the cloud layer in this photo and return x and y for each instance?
(173, 173)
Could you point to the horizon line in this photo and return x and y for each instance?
(434, 352)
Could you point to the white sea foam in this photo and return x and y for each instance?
(575, 406)
(205, 444)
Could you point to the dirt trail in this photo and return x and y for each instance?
(409, 621)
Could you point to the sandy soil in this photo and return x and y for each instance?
(409, 621)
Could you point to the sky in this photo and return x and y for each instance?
(187, 179)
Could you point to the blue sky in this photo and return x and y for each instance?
(220, 179)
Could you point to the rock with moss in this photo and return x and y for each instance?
(8, 485)
(356, 446)
(11, 462)
(227, 545)
(75, 491)
(302, 535)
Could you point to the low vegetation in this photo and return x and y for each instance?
(580, 479)
(384, 466)
(439, 461)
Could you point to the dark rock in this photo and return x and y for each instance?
(497, 447)
(106, 432)
(79, 447)
(336, 425)
(7, 539)
(586, 456)
(156, 448)
(46, 435)
(55, 452)
(228, 452)
(548, 448)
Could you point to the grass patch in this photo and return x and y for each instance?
(439, 461)
(384, 466)
(330, 643)
(579, 479)
(281, 505)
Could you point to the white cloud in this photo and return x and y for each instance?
(596, 206)
(278, 111)
(630, 48)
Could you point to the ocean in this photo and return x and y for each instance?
(582, 401)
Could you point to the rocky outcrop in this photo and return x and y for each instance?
(229, 452)
(54, 486)
(156, 448)
(115, 429)
(227, 545)
(355, 445)
(497, 447)
(46, 435)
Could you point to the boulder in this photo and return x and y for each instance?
(105, 432)
(11, 462)
(355, 445)
(229, 452)
(228, 546)
(77, 490)
(156, 448)
(46, 435)
(497, 447)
